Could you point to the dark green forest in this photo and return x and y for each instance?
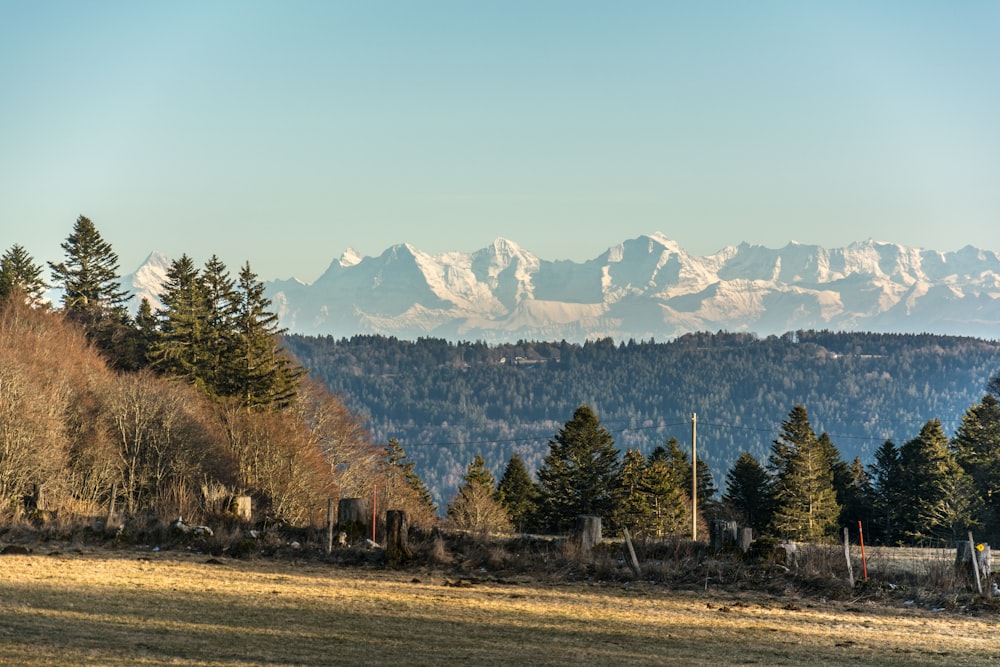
(447, 402)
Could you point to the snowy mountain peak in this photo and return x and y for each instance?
(646, 287)
(350, 257)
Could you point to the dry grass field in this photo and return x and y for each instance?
(103, 607)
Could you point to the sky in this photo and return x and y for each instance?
(282, 133)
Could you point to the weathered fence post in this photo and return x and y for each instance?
(329, 525)
(966, 552)
(352, 517)
(847, 556)
(397, 548)
(587, 533)
(633, 562)
(111, 506)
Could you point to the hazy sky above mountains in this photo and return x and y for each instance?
(283, 132)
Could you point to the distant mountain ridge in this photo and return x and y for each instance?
(644, 288)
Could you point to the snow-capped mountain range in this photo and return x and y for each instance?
(644, 288)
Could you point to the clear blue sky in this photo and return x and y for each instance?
(283, 132)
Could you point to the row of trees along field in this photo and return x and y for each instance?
(928, 491)
(447, 402)
(175, 411)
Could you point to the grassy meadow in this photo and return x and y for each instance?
(103, 607)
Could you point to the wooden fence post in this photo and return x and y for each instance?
(633, 562)
(329, 526)
(975, 564)
(847, 556)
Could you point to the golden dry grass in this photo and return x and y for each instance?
(176, 608)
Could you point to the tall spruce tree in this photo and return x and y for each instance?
(92, 294)
(887, 491)
(805, 500)
(89, 276)
(976, 447)
(219, 334)
(580, 472)
(179, 347)
(748, 491)
(938, 494)
(19, 273)
(398, 466)
(261, 371)
(650, 503)
(519, 494)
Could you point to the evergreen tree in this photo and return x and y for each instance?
(632, 504)
(92, 294)
(748, 491)
(475, 507)
(18, 272)
(887, 491)
(261, 371)
(89, 276)
(649, 503)
(679, 464)
(399, 465)
(219, 334)
(805, 501)
(580, 472)
(179, 348)
(853, 485)
(976, 447)
(937, 494)
(518, 493)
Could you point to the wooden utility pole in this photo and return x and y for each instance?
(694, 476)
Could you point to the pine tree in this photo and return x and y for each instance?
(219, 334)
(887, 491)
(632, 505)
(650, 502)
(89, 276)
(580, 472)
(262, 373)
(679, 464)
(976, 447)
(937, 493)
(475, 507)
(805, 501)
(748, 491)
(398, 464)
(18, 272)
(92, 294)
(179, 347)
(519, 494)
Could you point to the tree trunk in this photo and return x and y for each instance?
(352, 517)
(587, 533)
(397, 548)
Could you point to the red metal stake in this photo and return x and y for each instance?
(864, 562)
(374, 508)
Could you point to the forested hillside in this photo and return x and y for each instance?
(447, 402)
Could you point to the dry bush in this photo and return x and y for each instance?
(278, 458)
(341, 436)
(167, 443)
